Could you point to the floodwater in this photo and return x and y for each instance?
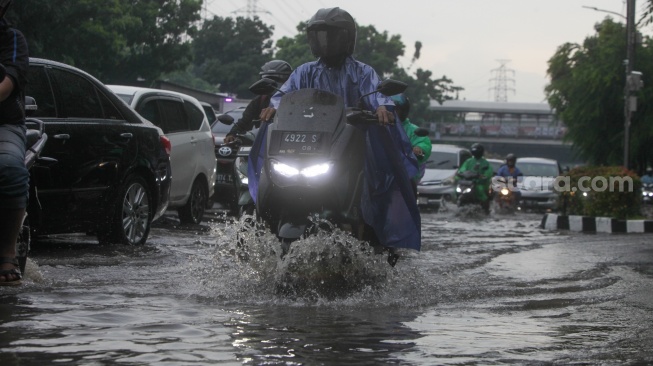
(483, 290)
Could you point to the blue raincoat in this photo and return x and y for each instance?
(388, 202)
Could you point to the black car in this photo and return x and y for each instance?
(112, 172)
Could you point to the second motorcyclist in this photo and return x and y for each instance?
(277, 70)
(480, 165)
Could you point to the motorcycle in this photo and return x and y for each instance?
(312, 170)
(36, 139)
(231, 172)
(466, 190)
(647, 192)
(505, 194)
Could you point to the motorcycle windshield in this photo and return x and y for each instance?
(306, 123)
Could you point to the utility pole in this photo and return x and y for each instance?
(501, 80)
(633, 78)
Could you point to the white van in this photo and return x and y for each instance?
(192, 159)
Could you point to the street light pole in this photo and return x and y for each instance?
(628, 88)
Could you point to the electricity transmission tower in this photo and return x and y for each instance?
(251, 9)
(501, 80)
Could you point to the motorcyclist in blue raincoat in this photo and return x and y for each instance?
(388, 202)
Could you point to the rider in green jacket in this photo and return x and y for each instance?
(478, 163)
(421, 144)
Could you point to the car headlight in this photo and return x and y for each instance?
(458, 190)
(242, 177)
(467, 190)
(308, 172)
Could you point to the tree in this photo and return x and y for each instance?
(230, 52)
(587, 93)
(117, 41)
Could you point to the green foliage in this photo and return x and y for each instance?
(587, 92)
(614, 200)
(230, 52)
(118, 41)
(295, 50)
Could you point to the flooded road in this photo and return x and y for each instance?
(483, 290)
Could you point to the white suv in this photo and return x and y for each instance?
(192, 159)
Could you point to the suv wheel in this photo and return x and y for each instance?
(193, 211)
(132, 216)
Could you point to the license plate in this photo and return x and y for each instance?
(300, 142)
(423, 200)
(224, 178)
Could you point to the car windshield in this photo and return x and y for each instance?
(538, 169)
(442, 160)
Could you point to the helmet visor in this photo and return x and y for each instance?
(327, 42)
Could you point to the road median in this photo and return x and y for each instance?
(590, 224)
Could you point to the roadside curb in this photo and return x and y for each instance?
(595, 224)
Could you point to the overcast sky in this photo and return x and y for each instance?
(462, 39)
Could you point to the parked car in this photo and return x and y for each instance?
(496, 164)
(182, 119)
(537, 185)
(220, 130)
(112, 172)
(438, 181)
(211, 115)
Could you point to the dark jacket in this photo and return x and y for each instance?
(251, 113)
(14, 57)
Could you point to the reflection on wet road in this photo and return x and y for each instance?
(483, 290)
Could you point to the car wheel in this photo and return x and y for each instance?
(193, 211)
(132, 216)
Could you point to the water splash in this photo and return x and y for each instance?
(330, 266)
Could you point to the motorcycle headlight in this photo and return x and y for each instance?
(315, 170)
(505, 191)
(284, 169)
(308, 172)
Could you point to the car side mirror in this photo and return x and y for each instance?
(226, 119)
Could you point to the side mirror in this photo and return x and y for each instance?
(226, 119)
(421, 132)
(391, 87)
(264, 86)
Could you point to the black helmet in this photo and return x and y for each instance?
(331, 33)
(4, 5)
(511, 158)
(477, 150)
(277, 70)
(402, 106)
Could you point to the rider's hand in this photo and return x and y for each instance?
(418, 151)
(229, 138)
(385, 116)
(267, 114)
